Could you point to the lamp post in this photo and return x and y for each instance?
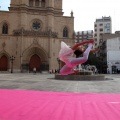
(12, 58)
(58, 63)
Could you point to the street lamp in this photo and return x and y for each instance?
(12, 58)
(58, 62)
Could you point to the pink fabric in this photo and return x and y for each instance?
(37, 105)
(65, 54)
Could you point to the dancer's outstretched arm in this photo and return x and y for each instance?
(94, 50)
(84, 42)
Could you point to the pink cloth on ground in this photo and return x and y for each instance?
(37, 105)
(65, 54)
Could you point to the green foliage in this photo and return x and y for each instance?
(92, 60)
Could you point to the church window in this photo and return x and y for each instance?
(36, 25)
(43, 3)
(65, 32)
(37, 3)
(5, 29)
(31, 2)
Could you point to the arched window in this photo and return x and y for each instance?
(30, 2)
(37, 3)
(43, 3)
(5, 29)
(65, 32)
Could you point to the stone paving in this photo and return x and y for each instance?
(47, 82)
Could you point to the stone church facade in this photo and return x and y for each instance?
(31, 33)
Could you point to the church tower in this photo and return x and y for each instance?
(49, 8)
(45, 5)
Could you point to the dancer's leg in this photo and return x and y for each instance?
(65, 70)
(80, 60)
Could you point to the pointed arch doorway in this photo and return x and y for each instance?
(3, 63)
(35, 61)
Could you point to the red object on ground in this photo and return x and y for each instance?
(76, 71)
(37, 105)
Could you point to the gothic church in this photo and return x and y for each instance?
(30, 35)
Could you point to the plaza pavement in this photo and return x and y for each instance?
(47, 82)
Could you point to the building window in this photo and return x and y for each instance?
(37, 3)
(95, 34)
(101, 24)
(5, 29)
(108, 30)
(90, 36)
(101, 34)
(36, 25)
(108, 24)
(95, 25)
(95, 44)
(101, 40)
(101, 29)
(65, 32)
(84, 37)
(30, 2)
(43, 3)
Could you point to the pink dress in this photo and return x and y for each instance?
(65, 54)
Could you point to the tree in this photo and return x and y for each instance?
(93, 60)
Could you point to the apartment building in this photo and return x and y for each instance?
(81, 36)
(102, 26)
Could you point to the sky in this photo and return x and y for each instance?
(86, 12)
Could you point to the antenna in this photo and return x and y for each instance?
(114, 21)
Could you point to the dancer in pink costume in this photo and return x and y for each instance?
(65, 55)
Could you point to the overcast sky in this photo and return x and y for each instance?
(86, 12)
